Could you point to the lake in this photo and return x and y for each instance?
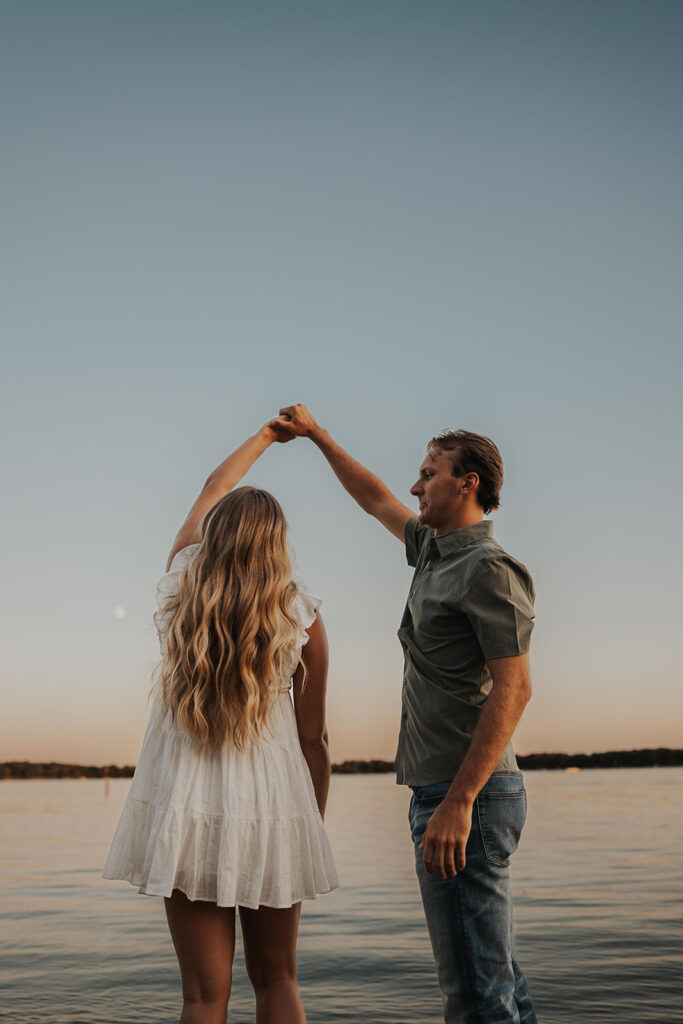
(597, 881)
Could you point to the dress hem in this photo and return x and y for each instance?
(161, 891)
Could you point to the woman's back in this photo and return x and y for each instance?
(235, 826)
(231, 634)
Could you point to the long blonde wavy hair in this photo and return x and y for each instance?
(231, 631)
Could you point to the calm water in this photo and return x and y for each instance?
(598, 908)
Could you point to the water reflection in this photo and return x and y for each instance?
(596, 878)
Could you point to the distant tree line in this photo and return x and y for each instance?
(660, 757)
(362, 767)
(54, 770)
(650, 758)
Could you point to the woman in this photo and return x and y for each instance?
(226, 805)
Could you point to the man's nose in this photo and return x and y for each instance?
(416, 489)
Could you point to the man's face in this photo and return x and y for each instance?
(437, 490)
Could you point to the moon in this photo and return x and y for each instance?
(119, 611)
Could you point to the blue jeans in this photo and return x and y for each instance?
(469, 917)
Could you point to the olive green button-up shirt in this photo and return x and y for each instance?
(469, 602)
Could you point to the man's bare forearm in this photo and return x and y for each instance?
(498, 720)
(373, 496)
(363, 486)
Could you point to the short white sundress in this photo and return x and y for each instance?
(238, 828)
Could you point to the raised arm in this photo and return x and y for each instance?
(224, 478)
(368, 490)
(309, 706)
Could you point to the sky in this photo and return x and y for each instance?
(409, 217)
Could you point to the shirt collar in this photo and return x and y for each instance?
(449, 543)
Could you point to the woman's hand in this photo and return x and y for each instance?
(275, 430)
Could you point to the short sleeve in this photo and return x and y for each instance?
(305, 608)
(416, 536)
(499, 606)
(167, 587)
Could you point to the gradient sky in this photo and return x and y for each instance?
(408, 216)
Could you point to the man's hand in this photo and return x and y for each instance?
(276, 430)
(299, 420)
(445, 838)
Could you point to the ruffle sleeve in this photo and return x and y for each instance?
(305, 608)
(167, 587)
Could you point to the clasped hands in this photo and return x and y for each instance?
(292, 421)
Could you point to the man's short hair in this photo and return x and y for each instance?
(473, 453)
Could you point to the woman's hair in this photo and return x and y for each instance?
(231, 632)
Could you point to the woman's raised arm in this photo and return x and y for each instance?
(224, 478)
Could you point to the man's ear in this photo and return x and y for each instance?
(470, 482)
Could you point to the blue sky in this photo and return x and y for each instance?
(408, 216)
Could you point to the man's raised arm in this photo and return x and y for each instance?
(368, 490)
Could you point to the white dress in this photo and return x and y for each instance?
(239, 828)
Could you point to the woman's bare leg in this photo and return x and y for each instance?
(270, 954)
(204, 938)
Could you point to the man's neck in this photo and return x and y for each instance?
(461, 518)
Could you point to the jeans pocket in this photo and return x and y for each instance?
(501, 820)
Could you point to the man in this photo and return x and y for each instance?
(465, 634)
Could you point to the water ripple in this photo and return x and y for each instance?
(597, 885)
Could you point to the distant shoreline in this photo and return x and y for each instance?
(659, 757)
